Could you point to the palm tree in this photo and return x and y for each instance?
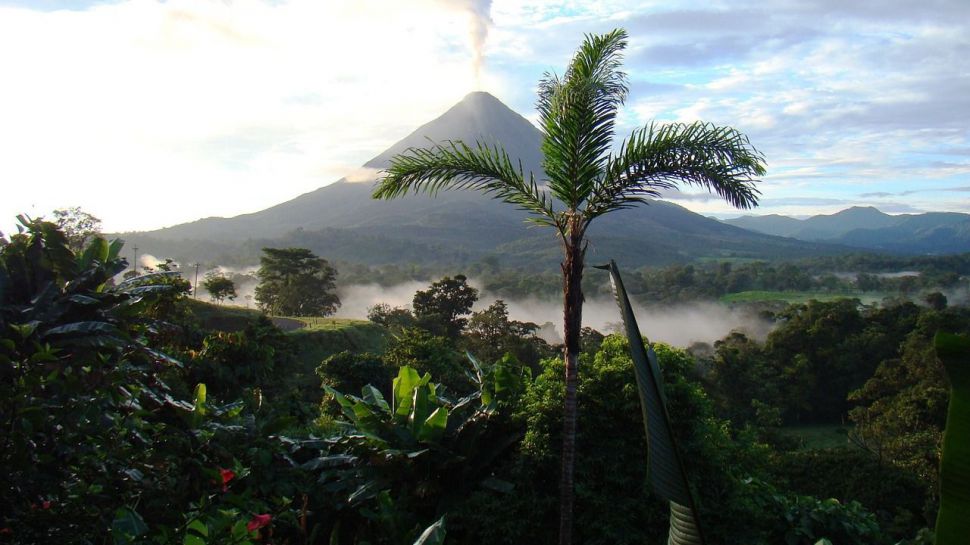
(585, 180)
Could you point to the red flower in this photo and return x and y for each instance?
(46, 504)
(258, 522)
(5, 531)
(227, 475)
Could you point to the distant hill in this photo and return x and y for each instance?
(868, 228)
(340, 221)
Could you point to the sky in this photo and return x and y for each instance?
(149, 114)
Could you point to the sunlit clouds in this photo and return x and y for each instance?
(151, 113)
(189, 109)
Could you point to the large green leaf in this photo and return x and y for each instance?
(402, 389)
(665, 469)
(200, 398)
(365, 419)
(84, 328)
(420, 409)
(127, 526)
(324, 462)
(196, 533)
(374, 397)
(433, 535)
(146, 279)
(114, 249)
(97, 250)
(953, 519)
(434, 426)
(341, 399)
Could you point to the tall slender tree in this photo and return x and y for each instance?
(584, 179)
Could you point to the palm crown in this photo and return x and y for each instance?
(583, 178)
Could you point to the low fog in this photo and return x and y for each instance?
(357, 298)
(678, 325)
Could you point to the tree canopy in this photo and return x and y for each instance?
(77, 225)
(295, 282)
(219, 287)
(442, 308)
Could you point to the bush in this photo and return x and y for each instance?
(895, 496)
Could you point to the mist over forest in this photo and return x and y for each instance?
(677, 325)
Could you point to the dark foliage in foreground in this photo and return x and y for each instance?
(125, 422)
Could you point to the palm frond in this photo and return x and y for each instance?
(660, 157)
(577, 114)
(455, 165)
(666, 472)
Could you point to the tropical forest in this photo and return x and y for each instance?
(506, 335)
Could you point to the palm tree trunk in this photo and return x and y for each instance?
(572, 270)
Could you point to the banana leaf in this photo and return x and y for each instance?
(403, 387)
(433, 535)
(84, 328)
(665, 468)
(953, 519)
(145, 279)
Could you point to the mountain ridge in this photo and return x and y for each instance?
(341, 221)
(869, 228)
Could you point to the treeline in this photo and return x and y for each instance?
(125, 417)
(688, 282)
(849, 275)
(871, 369)
(879, 276)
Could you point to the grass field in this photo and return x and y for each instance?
(221, 317)
(798, 296)
(230, 317)
(330, 324)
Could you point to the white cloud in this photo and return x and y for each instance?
(363, 175)
(150, 113)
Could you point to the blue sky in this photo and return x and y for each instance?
(153, 113)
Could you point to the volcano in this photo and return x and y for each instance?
(340, 221)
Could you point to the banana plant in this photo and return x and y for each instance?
(401, 461)
(499, 383)
(953, 519)
(415, 414)
(665, 468)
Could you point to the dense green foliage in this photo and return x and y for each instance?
(432, 337)
(101, 428)
(441, 309)
(295, 282)
(491, 335)
(132, 414)
(818, 353)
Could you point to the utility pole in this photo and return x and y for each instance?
(134, 262)
(195, 291)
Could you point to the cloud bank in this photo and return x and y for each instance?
(150, 113)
